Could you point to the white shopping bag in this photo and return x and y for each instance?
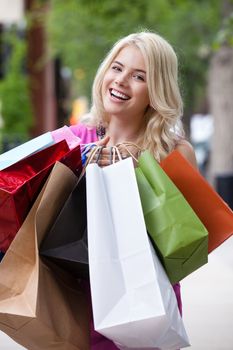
(133, 301)
(17, 153)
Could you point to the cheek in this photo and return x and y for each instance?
(104, 86)
(144, 97)
(107, 79)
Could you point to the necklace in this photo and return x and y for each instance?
(100, 131)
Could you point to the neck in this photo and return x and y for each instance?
(121, 131)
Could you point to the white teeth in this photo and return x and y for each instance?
(119, 94)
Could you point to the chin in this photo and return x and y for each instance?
(111, 109)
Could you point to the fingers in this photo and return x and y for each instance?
(104, 162)
(105, 155)
(103, 142)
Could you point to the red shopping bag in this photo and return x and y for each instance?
(214, 213)
(21, 182)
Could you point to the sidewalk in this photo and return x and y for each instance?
(207, 304)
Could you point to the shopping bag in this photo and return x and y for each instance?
(36, 144)
(133, 301)
(1, 255)
(65, 133)
(66, 243)
(180, 238)
(42, 308)
(215, 214)
(21, 182)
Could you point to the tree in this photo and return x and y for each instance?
(220, 86)
(81, 32)
(14, 91)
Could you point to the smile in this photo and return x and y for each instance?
(119, 95)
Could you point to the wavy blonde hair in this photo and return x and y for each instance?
(163, 127)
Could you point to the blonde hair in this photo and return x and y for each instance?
(163, 125)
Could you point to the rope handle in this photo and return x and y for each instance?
(117, 153)
(90, 157)
(126, 147)
(129, 143)
(114, 153)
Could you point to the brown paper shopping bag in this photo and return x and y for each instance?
(42, 308)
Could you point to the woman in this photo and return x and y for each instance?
(136, 98)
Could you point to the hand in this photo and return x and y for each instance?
(107, 155)
(103, 142)
(104, 158)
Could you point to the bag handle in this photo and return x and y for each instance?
(94, 150)
(126, 146)
(115, 152)
(129, 143)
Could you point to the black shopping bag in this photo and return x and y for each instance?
(66, 243)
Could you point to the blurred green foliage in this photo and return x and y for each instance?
(14, 90)
(225, 34)
(82, 31)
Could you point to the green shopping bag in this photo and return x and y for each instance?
(180, 238)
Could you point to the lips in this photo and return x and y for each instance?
(119, 95)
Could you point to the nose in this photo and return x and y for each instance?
(121, 79)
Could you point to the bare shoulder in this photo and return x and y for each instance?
(187, 151)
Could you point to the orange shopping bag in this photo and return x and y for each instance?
(214, 213)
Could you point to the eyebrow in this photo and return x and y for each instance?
(136, 69)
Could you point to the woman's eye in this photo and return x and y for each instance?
(139, 77)
(116, 68)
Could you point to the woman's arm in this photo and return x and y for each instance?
(187, 151)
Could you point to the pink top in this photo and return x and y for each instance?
(98, 341)
(86, 134)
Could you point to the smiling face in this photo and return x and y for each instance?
(124, 89)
